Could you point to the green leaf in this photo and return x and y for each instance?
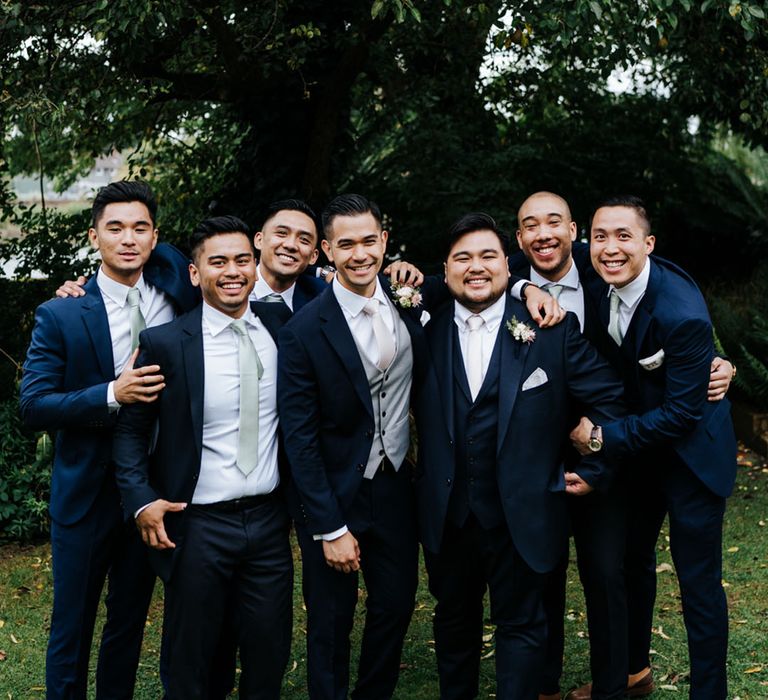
(376, 8)
(756, 11)
(596, 9)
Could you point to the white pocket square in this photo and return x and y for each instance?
(536, 378)
(424, 318)
(654, 361)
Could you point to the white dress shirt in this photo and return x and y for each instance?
(262, 289)
(630, 295)
(360, 325)
(155, 306)
(220, 479)
(492, 316)
(572, 295)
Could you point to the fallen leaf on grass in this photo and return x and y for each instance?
(661, 568)
(2, 624)
(754, 669)
(14, 640)
(660, 631)
(489, 654)
(732, 549)
(668, 687)
(3, 655)
(487, 637)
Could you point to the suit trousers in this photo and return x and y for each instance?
(470, 560)
(101, 546)
(665, 485)
(230, 560)
(383, 521)
(598, 524)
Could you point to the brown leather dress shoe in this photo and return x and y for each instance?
(583, 692)
(641, 688)
(550, 696)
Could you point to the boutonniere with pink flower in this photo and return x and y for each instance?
(406, 296)
(520, 331)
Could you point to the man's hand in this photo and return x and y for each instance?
(580, 436)
(72, 289)
(343, 553)
(140, 384)
(575, 485)
(720, 377)
(543, 307)
(402, 272)
(151, 526)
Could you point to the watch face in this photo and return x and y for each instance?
(594, 444)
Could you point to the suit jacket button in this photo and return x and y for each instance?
(448, 481)
(360, 467)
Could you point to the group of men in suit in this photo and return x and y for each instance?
(210, 481)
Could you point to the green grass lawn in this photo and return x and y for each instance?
(25, 601)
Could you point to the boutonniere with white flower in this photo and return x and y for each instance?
(521, 331)
(406, 296)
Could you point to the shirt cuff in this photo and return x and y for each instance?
(112, 402)
(517, 289)
(144, 507)
(328, 536)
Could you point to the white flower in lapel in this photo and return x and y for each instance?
(521, 331)
(406, 296)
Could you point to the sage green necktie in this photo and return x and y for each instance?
(251, 371)
(273, 298)
(135, 317)
(614, 329)
(554, 290)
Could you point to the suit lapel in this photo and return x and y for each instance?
(194, 369)
(641, 319)
(443, 347)
(513, 357)
(97, 326)
(334, 327)
(273, 316)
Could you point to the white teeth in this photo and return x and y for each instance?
(613, 263)
(545, 251)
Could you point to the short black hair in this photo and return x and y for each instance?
(124, 191)
(349, 205)
(288, 205)
(469, 223)
(215, 226)
(625, 200)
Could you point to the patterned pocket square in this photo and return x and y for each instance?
(536, 378)
(654, 361)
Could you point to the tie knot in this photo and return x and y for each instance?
(273, 298)
(615, 301)
(372, 307)
(554, 290)
(475, 322)
(134, 296)
(238, 325)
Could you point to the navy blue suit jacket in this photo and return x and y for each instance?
(64, 385)
(533, 429)
(326, 413)
(172, 469)
(306, 289)
(671, 400)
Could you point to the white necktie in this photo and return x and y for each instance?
(474, 362)
(251, 371)
(554, 290)
(614, 328)
(383, 336)
(135, 317)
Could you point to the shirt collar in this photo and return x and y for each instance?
(570, 280)
(117, 291)
(216, 321)
(262, 289)
(353, 303)
(492, 315)
(631, 293)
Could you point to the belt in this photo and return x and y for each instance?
(236, 504)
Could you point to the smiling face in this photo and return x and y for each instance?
(125, 235)
(225, 270)
(619, 244)
(476, 271)
(356, 245)
(288, 243)
(546, 233)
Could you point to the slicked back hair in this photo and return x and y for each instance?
(216, 226)
(288, 205)
(124, 191)
(626, 200)
(469, 223)
(349, 205)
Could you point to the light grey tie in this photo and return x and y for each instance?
(251, 371)
(273, 298)
(475, 354)
(614, 328)
(554, 290)
(135, 317)
(383, 336)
